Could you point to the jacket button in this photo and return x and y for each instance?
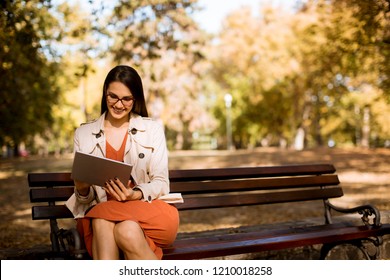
(141, 155)
(133, 131)
(149, 198)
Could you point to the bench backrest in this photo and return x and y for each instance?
(209, 188)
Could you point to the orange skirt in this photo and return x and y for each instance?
(158, 219)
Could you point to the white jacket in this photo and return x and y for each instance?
(145, 150)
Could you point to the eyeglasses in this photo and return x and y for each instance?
(113, 99)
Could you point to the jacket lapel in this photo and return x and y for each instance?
(137, 129)
(98, 136)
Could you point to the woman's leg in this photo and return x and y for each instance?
(131, 240)
(103, 242)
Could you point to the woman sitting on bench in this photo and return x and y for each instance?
(130, 220)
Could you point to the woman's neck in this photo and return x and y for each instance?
(116, 123)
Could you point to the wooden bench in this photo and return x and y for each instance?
(229, 187)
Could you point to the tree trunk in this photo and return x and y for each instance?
(365, 142)
(16, 150)
(299, 142)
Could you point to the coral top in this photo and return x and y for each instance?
(111, 153)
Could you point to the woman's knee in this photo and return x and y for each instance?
(128, 233)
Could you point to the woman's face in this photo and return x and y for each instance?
(119, 100)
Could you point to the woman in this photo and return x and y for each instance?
(130, 220)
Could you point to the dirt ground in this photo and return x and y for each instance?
(364, 174)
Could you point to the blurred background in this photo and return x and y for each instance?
(235, 83)
(218, 74)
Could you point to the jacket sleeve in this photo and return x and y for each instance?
(77, 203)
(76, 140)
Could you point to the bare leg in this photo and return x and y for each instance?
(103, 241)
(131, 240)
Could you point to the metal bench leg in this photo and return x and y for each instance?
(369, 252)
(71, 243)
(55, 245)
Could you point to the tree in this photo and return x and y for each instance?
(373, 37)
(28, 81)
(352, 57)
(46, 50)
(251, 62)
(145, 29)
(164, 43)
(289, 72)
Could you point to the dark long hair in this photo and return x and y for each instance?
(130, 78)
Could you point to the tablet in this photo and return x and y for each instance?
(96, 170)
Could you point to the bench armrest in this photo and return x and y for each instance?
(364, 210)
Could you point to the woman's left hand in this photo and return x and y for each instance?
(121, 192)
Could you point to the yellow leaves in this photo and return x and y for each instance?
(6, 65)
(20, 25)
(293, 55)
(381, 113)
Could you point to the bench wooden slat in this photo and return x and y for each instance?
(245, 172)
(64, 178)
(253, 184)
(49, 179)
(63, 193)
(48, 212)
(51, 194)
(201, 202)
(246, 199)
(263, 241)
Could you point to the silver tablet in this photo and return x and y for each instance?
(96, 170)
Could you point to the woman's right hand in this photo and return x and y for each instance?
(82, 187)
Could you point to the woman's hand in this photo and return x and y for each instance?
(82, 188)
(121, 192)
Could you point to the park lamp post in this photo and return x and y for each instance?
(228, 103)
